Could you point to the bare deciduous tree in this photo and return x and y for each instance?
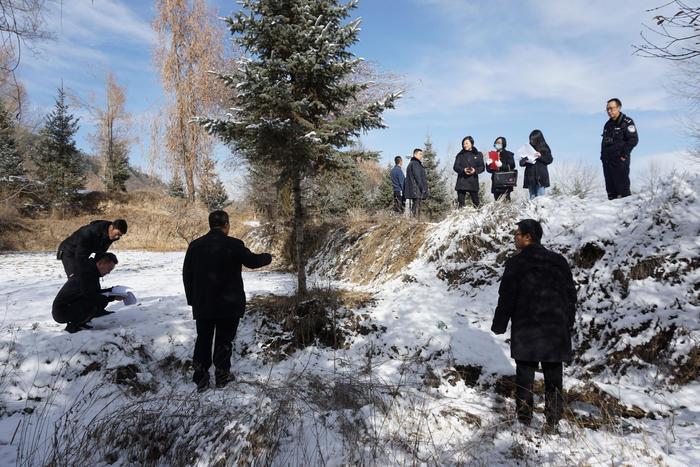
(190, 46)
(675, 34)
(21, 25)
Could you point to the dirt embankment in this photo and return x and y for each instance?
(157, 222)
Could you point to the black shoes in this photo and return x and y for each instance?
(223, 378)
(75, 327)
(102, 313)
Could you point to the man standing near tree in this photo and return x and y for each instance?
(214, 288)
(397, 180)
(538, 296)
(416, 183)
(96, 237)
(619, 138)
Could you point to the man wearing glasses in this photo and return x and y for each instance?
(619, 138)
(537, 295)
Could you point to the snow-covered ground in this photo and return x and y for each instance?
(425, 382)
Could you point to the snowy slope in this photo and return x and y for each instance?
(421, 380)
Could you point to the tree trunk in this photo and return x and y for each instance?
(299, 234)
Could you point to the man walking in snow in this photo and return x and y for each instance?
(619, 138)
(397, 180)
(214, 288)
(537, 295)
(416, 184)
(96, 237)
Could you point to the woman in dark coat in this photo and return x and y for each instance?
(536, 177)
(469, 163)
(505, 163)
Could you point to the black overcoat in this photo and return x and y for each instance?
(537, 174)
(212, 275)
(80, 295)
(88, 239)
(416, 184)
(508, 160)
(537, 295)
(464, 159)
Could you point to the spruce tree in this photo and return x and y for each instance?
(384, 199)
(116, 171)
(212, 191)
(10, 159)
(295, 105)
(439, 202)
(176, 188)
(60, 166)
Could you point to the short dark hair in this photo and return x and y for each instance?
(417, 150)
(617, 101)
(111, 257)
(397, 159)
(502, 138)
(531, 227)
(218, 219)
(120, 225)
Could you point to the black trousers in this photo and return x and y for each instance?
(617, 178)
(80, 311)
(415, 207)
(399, 202)
(221, 332)
(553, 390)
(462, 195)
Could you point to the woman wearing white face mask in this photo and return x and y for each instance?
(505, 163)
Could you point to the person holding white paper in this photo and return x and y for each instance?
(81, 299)
(536, 177)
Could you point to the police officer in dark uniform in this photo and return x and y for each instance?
(619, 138)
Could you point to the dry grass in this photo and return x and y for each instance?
(365, 251)
(157, 222)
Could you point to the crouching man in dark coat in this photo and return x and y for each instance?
(214, 288)
(80, 299)
(537, 295)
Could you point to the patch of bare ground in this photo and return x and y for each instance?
(325, 317)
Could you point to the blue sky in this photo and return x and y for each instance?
(483, 68)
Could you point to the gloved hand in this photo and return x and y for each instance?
(498, 164)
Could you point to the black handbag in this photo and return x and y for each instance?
(505, 179)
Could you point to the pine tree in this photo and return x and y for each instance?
(439, 203)
(10, 159)
(176, 188)
(294, 104)
(212, 191)
(338, 189)
(384, 199)
(117, 167)
(60, 166)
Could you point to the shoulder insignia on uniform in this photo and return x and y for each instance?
(631, 129)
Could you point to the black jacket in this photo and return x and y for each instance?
(212, 275)
(85, 289)
(537, 174)
(508, 160)
(537, 294)
(416, 184)
(91, 238)
(619, 138)
(464, 159)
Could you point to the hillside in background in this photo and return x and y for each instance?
(389, 361)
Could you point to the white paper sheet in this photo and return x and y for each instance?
(122, 291)
(527, 152)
